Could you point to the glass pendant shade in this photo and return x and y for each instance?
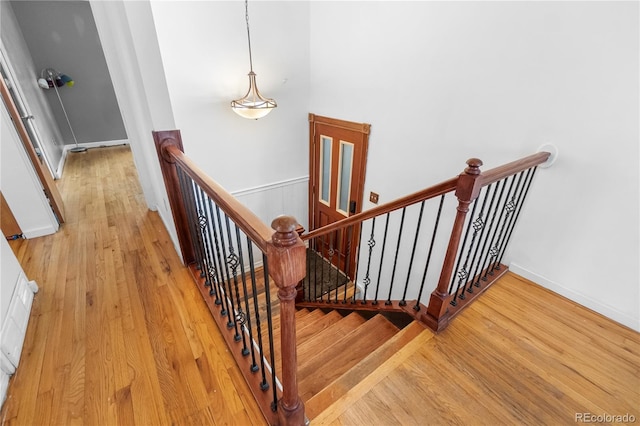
(253, 105)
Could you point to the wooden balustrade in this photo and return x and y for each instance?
(286, 255)
(284, 251)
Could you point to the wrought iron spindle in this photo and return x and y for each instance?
(507, 207)
(495, 200)
(347, 263)
(426, 267)
(513, 206)
(264, 385)
(384, 244)
(395, 260)
(218, 258)
(495, 221)
(357, 265)
(526, 192)
(232, 323)
(247, 312)
(403, 301)
(371, 243)
(272, 357)
(233, 262)
(478, 225)
(481, 239)
(209, 269)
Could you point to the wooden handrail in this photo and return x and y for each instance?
(259, 232)
(416, 197)
(285, 254)
(486, 178)
(501, 172)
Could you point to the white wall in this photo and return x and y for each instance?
(205, 56)
(20, 185)
(441, 82)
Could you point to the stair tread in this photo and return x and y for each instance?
(339, 387)
(319, 341)
(332, 362)
(308, 331)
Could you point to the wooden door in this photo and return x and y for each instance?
(48, 185)
(337, 165)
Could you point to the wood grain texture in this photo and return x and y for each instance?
(519, 354)
(118, 332)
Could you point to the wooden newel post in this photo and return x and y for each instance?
(163, 140)
(286, 254)
(467, 190)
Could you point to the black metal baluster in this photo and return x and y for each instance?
(324, 247)
(426, 267)
(347, 263)
(256, 308)
(403, 301)
(371, 243)
(395, 260)
(224, 294)
(384, 244)
(203, 221)
(332, 252)
(507, 211)
(339, 254)
(232, 323)
(478, 227)
(493, 250)
(247, 311)
(232, 261)
(272, 357)
(523, 195)
(491, 230)
(462, 273)
(355, 275)
(482, 237)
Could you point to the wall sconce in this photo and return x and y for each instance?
(51, 78)
(253, 105)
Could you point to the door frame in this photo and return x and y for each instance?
(363, 128)
(20, 100)
(46, 180)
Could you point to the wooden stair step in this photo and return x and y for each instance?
(305, 333)
(335, 360)
(319, 342)
(339, 387)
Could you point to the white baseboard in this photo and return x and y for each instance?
(595, 305)
(102, 144)
(39, 232)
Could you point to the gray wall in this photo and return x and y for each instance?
(63, 35)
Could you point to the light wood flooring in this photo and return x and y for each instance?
(120, 335)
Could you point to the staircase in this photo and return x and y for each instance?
(337, 350)
(308, 338)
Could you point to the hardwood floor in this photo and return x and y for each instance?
(120, 335)
(518, 355)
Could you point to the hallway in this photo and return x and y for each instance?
(118, 333)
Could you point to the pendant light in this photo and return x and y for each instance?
(253, 105)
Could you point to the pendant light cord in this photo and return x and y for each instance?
(246, 15)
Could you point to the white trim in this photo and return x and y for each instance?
(39, 232)
(270, 186)
(595, 305)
